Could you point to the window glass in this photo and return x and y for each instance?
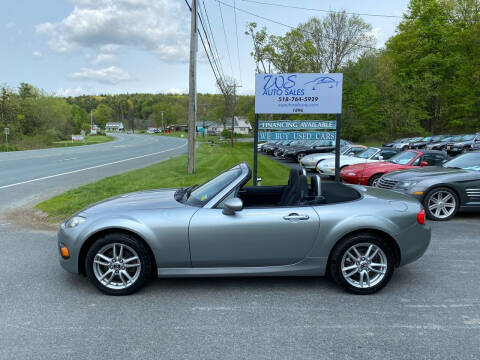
(367, 154)
(433, 159)
(403, 158)
(469, 161)
(204, 193)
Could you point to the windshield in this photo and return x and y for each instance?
(204, 193)
(428, 138)
(416, 139)
(468, 137)
(469, 161)
(403, 158)
(457, 138)
(367, 154)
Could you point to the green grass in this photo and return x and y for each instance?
(89, 140)
(211, 160)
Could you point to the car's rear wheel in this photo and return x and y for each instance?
(441, 204)
(118, 264)
(362, 263)
(373, 181)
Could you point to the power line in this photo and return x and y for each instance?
(321, 10)
(220, 84)
(213, 38)
(238, 48)
(225, 33)
(290, 26)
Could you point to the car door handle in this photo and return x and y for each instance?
(295, 216)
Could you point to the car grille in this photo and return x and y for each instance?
(386, 183)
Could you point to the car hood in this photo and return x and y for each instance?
(143, 200)
(345, 160)
(425, 173)
(375, 165)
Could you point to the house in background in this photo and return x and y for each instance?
(241, 126)
(210, 127)
(114, 127)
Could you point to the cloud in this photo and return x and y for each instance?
(160, 27)
(37, 54)
(71, 92)
(176, 91)
(110, 75)
(103, 58)
(9, 25)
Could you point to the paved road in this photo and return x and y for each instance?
(30, 176)
(430, 310)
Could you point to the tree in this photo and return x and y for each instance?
(103, 114)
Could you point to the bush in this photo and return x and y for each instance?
(226, 133)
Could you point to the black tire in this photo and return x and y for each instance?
(335, 264)
(431, 194)
(300, 156)
(138, 246)
(374, 179)
(405, 148)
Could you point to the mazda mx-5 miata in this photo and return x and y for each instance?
(358, 235)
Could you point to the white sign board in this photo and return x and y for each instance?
(77, 138)
(6, 131)
(297, 125)
(298, 93)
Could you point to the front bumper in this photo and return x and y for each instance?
(66, 237)
(326, 171)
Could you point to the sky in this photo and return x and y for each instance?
(75, 47)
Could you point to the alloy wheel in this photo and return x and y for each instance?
(117, 266)
(442, 204)
(364, 265)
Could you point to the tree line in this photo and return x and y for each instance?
(425, 80)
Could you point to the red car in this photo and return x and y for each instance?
(369, 174)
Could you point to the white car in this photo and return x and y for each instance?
(309, 162)
(327, 167)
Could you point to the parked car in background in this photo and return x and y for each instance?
(290, 144)
(462, 145)
(372, 154)
(423, 142)
(218, 229)
(391, 144)
(269, 149)
(443, 190)
(439, 144)
(309, 162)
(370, 174)
(402, 146)
(321, 146)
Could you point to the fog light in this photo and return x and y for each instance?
(64, 252)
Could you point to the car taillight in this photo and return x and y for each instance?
(421, 217)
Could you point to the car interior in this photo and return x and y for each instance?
(297, 192)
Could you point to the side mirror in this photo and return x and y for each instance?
(380, 157)
(231, 206)
(424, 163)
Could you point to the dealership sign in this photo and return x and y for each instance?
(298, 93)
(297, 125)
(295, 135)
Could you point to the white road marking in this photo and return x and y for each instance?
(91, 167)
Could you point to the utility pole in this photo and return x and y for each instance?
(192, 88)
(234, 104)
(163, 127)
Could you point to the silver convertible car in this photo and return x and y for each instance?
(358, 235)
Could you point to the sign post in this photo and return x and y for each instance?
(6, 131)
(302, 93)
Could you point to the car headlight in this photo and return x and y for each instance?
(351, 173)
(405, 185)
(74, 221)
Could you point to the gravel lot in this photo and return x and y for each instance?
(430, 310)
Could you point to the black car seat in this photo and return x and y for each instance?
(288, 193)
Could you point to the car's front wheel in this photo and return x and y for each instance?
(362, 263)
(373, 181)
(300, 156)
(441, 204)
(118, 264)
